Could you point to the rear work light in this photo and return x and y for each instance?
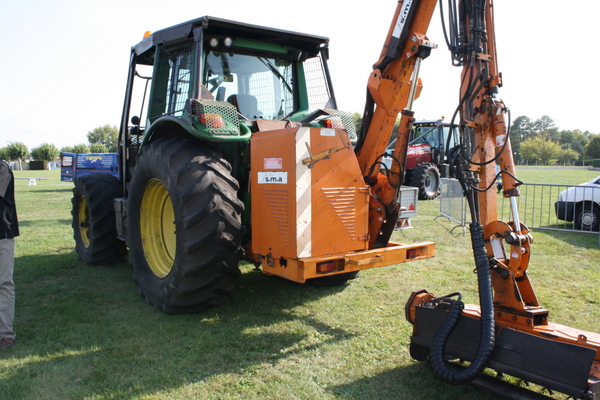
(215, 42)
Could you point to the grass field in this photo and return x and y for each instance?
(84, 333)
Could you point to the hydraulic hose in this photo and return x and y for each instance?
(444, 369)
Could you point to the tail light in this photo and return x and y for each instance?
(332, 124)
(330, 266)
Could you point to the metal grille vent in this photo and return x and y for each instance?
(343, 202)
(219, 118)
(277, 201)
(346, 121)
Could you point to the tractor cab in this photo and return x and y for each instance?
(213, 79)
(434, 137)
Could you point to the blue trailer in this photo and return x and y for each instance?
(76, 165)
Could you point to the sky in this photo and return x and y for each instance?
(63, 63)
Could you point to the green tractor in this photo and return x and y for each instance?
(196, 93)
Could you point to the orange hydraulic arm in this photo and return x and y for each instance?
(513, 330)
(483, 119)
(392, 87)
(483, 124)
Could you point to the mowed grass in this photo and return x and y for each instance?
(84, 333)
(556, 176)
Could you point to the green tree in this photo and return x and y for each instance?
(540, 150)
(67, 149)
(45, 152)
(527, 151)
(81, 148)
(98, 148)
(108, 135)
(543, 124)
(575, 140)
(4, 153)
(567, 156)
(521, 129)
(592, 149)
(546, 128)
(357, 121)
(17, 151)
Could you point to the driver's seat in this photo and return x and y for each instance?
(246, 104)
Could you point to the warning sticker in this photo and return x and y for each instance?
(500, 139)
(273, 163)
(277, 178)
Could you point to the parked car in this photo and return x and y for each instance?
(581, 205)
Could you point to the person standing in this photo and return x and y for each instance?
(9, 228)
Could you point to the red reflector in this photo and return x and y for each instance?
(327, 266)
(212, 120)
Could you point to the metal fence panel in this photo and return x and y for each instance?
(452, 203)
(536, 206)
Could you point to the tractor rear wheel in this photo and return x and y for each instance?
(184, 226)
(426, 177)
(94, 220)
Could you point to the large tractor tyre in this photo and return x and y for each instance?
(94, 219)
(184, 226)
(587, 217)
(426, 177)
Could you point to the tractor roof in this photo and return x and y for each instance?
(431, 122)
(217, 26)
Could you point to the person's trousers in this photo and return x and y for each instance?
(7, 288)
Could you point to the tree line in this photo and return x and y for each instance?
(537, 141)
(103, 139)
(540, 141)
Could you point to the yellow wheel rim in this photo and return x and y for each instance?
(157, 228)
(84, 222)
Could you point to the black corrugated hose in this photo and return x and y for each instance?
(445, 369)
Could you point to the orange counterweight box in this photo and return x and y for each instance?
(310, 207)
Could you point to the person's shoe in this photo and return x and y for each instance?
(6, 343)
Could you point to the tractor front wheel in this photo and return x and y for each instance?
(184, 226)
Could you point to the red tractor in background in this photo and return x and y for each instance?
(427, 156)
